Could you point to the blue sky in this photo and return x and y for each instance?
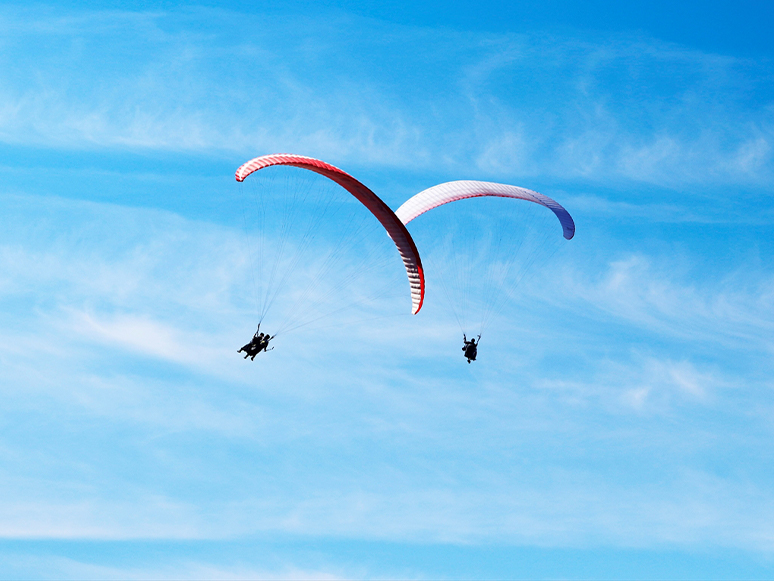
(618, 422)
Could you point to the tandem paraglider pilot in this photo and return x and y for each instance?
(259, 342)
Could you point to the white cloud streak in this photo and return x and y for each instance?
(501, 106)
(178, 438)
(128, 415)
(732, 312)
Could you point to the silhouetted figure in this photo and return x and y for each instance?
(258, 343)
(470, 349)
(263, 344)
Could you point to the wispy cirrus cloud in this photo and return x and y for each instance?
(155, 428)
(730, 310)
(646, 384)
(505, 106)
(621, 401)
(182, 568)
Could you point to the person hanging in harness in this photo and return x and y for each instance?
(259, 342)
(251, 349)
(470, 349)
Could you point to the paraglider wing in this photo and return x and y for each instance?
(395, 228)
(460, 190)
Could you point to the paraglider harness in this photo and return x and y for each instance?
(470, 349)
(259, 342)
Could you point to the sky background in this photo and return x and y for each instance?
(618, 423)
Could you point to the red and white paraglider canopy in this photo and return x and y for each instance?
(391, 223)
